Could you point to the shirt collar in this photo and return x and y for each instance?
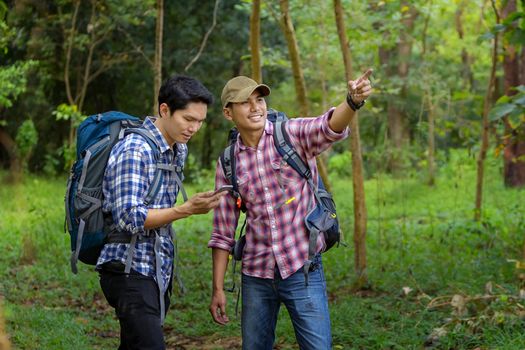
(152, 128)
(268, 129)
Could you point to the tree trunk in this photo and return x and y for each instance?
(15, 163)
(485, 122)
(4, 339)
(465, 58)
(397, 121)
(431, 141)
(322, 59)
(255, 41)
(360, 214)
(157, 61)
(67, 82)
(293, 50)
(298, 77)
(514, 153)
(427, 95)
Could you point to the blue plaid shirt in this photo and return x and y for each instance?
(129, 172)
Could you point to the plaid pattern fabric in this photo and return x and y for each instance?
(277, 199)
(130, 170)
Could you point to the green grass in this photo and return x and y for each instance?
(418, 237)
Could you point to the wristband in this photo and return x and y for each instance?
(352, 104)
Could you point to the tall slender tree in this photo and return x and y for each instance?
(514, 153)
(485, 122)
(255, 40)
(157, 61)
(466, 60)
(293, 51)
(298, 75)
(85, 60)
(396, 59)
(428, 98)
(360, 214)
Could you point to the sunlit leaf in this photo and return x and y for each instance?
(500, 111)
(503, 99)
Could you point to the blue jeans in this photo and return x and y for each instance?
(307, 306)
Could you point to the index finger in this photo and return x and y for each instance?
(206, 194)
(366, 75)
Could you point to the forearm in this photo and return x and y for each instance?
(165, 216)
(220, 263)
(341, 117)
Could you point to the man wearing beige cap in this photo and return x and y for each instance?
(276, 199)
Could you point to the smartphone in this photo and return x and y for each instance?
(223, 188)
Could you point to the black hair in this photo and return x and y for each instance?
(179, 90)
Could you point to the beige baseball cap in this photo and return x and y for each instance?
(240, 88)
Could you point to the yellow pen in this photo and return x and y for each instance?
(289, 201)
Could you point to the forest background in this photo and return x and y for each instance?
(434, 223)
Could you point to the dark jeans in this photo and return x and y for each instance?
(135, 299)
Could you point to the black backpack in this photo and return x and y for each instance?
(321, 219)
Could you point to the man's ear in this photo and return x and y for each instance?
(164, 110)
(227, 112)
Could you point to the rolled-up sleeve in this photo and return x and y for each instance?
(225, 216)
(314, 134)
(328, 132)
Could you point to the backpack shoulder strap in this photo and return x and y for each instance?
(148, 136)
(227, 158)
(287, 151)
(157, 180)
(228, 165)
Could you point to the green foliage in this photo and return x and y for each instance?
(13, 80)
(51, 163)
(70, 113)
(68, 153)
(6, 33)
(121, 35)
(26, 138)
(514, 28)
(509, 111)
(422, 247)
(512, 107)
(197, 175)
(341, 163)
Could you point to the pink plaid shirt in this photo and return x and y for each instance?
(275, 230)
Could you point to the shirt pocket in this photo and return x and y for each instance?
(285, 175)
(249, 189)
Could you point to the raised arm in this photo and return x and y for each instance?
(358, 91)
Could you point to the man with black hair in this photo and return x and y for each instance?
(277, 199)
(141, 297)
